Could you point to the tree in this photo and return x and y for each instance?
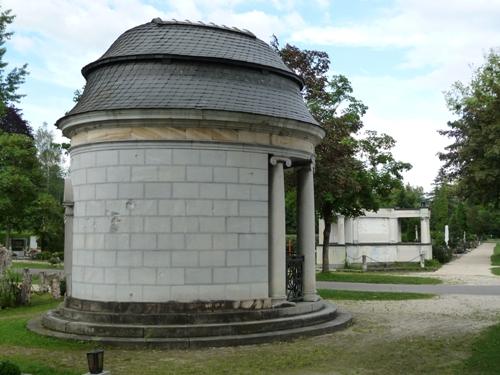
(19, 177)
(473, 159)
(12, 122)
(50, 155)
(351, 175)
(9, 82)
(47, 220)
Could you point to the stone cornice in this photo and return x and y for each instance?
(182, 118)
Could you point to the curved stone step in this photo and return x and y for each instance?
(53, 320)
(189, 318)
(342, 320)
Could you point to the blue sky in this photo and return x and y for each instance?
(400, 55)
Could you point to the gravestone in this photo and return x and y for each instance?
(26, 287)
(5, 259)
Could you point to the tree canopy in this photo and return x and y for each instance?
(352, 173)
(473, 159)
(9, 81)
(12, 122)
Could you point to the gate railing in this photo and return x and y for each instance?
(294, 276)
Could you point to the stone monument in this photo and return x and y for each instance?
(176, 215)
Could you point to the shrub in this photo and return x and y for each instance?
(10, 291)
(9, 368)
(432, 263)
(59, 254)
(62, 286)
(54, 260)
(44, 255)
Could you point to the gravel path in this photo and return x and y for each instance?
(440, 316)
(472, 268)
(470, 274)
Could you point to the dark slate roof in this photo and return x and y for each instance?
(189, 85)
(193, 40)
(189, 66)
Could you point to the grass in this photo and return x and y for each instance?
(36, 265)
(495, 271)
(371, 296)
(485, 358)
(375, 278)
(364, 348)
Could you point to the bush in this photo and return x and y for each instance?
(59, 254)
(44, 255)
(10, 291)
(9, 368)
(432, 263)
(442, 253)
(54, 260)
(62, 286)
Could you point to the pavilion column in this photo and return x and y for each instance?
(277, 229)
(425, 235)
(305, 229)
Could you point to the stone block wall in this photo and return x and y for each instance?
(154, 224)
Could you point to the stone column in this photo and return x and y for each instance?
(305, 229)
(277, 229)
(341, 230)
(68, 233)
(394, 230)
(425, 236)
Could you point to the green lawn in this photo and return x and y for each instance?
(361, 349)
(371, 296)
(485, 358)
(36, 265)
(374, 278)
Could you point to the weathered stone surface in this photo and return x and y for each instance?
(26, 287)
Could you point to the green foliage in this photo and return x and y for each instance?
(47, 221)
(9, 82)
(291, 211)
(10, 290)
(352, 173)
(375, 278)
(19, 179)
(9, 368)
(474, 156)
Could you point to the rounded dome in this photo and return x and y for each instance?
(183, 65)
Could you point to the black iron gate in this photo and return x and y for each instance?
(294, 275)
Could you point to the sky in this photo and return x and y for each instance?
(400, 55)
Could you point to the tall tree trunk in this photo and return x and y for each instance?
(326, 243)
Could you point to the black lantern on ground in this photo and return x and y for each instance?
(95, 361)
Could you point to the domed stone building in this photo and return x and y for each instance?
(175, 208)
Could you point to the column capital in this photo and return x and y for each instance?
(279, 159)
(306, 164)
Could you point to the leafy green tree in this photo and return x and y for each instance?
(473, 159)
(50, 156)
(47, 220)
(19, 179)
(351, 175)
(9, 81)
